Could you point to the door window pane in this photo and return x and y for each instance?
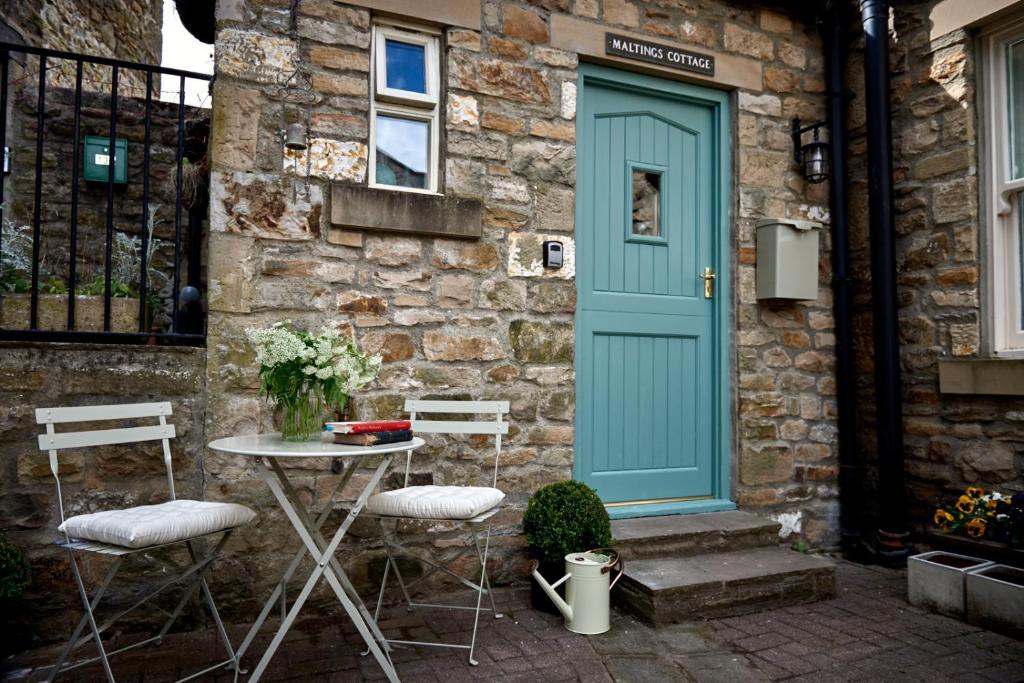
(403, 151)
(406, 66)
(646, 203)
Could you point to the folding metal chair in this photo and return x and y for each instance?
(474, 506)
(173, 522)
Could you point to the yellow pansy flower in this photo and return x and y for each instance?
(976, 527)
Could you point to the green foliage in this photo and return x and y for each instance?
(98, 287)
(14, 570)
(12, 281)
(93, 287)
(565, 517)
(53, 285)
(16, 247)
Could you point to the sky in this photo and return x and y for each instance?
(404, 140)
(182, 51)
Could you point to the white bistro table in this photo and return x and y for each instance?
(269, 450)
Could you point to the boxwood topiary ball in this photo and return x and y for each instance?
(565, 517)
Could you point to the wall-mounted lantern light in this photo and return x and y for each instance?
(814, 155)
(294, 137)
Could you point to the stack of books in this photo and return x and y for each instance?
(370, 433)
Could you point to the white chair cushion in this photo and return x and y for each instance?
(435, 502)
(146, 525)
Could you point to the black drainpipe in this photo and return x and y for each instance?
(892, 529)
(834, 36)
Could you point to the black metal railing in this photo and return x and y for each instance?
(171, 315)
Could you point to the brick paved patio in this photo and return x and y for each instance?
(867, 633)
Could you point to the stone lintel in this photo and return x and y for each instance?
(981, 376)
(588, 39)
(461, 13)
(405, 212)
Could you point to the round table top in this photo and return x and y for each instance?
(273, 446)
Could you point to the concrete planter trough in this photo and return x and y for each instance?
(52, 313)
(936, 581)
(995, 599)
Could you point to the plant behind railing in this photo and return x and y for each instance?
(16, 257)
(125, 265)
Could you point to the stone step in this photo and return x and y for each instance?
(687, 535)
(671, 590)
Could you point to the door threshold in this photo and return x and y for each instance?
(681, 507)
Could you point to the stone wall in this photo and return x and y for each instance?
(785, 430)
(951, 440)
(45, 375)
(122, 29)
(470, 318)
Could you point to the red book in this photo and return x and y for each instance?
(367, 427)
(375, 438)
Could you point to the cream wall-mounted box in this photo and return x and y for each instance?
(787, 259)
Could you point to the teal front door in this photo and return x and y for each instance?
(651, 273)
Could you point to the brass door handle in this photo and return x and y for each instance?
(709, 282)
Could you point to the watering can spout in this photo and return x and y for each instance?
(562, 606)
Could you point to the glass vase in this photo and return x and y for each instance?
(302, 419)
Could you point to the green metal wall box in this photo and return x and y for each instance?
(97, 159)
(787, 259)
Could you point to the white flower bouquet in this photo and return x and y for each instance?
(306, 374)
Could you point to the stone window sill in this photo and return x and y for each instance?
(952, 15)
(1002, 377)
(366, 208)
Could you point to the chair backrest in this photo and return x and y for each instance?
(496, 427)
(54, 441)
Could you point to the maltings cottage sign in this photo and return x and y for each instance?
(673, 57)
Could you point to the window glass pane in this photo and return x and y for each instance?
(406, 66)
(1015, 96)
(646, 203)
(1020, 264)
(403, 151)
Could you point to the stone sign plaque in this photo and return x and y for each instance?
(656, 53)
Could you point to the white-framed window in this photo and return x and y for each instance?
(405, 86)
(1003, 59)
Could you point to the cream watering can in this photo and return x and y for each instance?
(586, 603)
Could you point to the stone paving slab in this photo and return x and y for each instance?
(867, 633)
